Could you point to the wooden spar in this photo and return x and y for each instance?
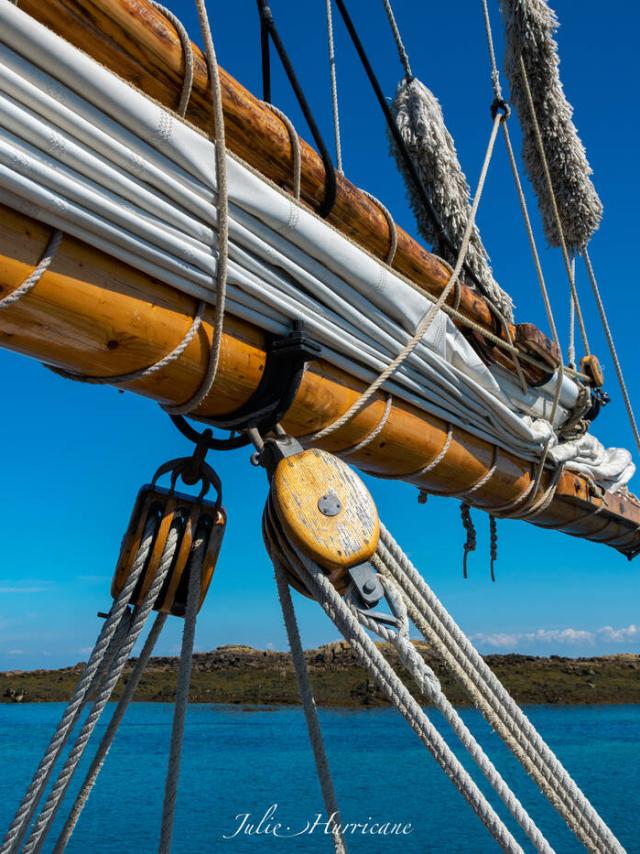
(136, 41)
(94, 315)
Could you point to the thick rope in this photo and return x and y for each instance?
(334, 87)
(612, 346)
(402, 51)
(394, 689)
(87, 680)
(431, 313)
(308, 704)
(182, 696)
(110, 734)
(223, 219)
(430, 686)
(36, 274)
(492, 699)
(45, 820)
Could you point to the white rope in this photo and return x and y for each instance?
(402, 52)
(37, 273)
(612, 346)
(492, 699)
(432, 311)
(571, 349)
(393, 688)
(294, 140)
(29, 803)
(430, 686)
(334, 87)
(187, 55)
(182, 695)
(308, 704)
(393, 230)
(107, 740)
(223, 219)
(373, 435)
(46, 817)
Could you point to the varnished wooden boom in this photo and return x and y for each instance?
(136, 41)
(94, 315)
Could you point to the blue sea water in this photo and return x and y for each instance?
(244, 760)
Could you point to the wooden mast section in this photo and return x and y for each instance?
(137, 42)
(94, 315)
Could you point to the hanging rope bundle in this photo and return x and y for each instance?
(530, 27)
(419, 118)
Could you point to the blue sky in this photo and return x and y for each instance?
(75, 455)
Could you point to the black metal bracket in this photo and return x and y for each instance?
(283, 370)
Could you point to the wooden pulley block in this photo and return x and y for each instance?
(590, 365)
(195, 520)
(325, 509)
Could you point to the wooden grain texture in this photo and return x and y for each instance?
(94, 315)
(136, 41)
(349, 537)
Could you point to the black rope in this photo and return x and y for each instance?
(397, 136)
(266, 61)
(268, 29)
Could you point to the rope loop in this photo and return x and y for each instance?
(499, 105)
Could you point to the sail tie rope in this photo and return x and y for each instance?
(308, 701)
(218, 137)
(432, 311)
(373, 435)
(87, 681)
(296, 153)
(492, 699)
(47, 815)
(36, 274)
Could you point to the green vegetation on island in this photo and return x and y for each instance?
(240, 674)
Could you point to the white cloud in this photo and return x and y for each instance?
(15, 652)
(566, 637)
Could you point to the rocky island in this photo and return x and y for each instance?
(240, 674)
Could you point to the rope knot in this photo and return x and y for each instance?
(499, 105)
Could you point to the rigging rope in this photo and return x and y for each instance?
(182, 696)
(334, 87)
(495, 703)
(612, 346)
(372, 659)
(429, 685)
(433, 310)
(308, 702)
(107, 740)
(29, 803)
(402, 52)
(47, 815)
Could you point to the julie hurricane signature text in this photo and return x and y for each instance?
(268, 824)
